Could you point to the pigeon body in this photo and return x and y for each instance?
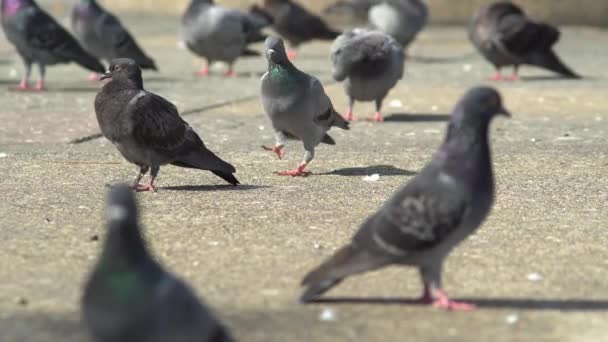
(402, 19)
(220, 34)
(130, 297)
(147, 129)
(370, 63)
(39, 39)
(296, 24)
(424, 220)
(104, 36)
(505, 36)
(296, 104)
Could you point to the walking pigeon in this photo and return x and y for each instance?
(441, 206)
(505, 36)
(295, 24)
(130, 297)
(39, 39)
(147, 129)
(220, 34)
(370, 63)
(104, 36)
(297, 106)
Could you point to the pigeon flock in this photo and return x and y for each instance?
(129, 296)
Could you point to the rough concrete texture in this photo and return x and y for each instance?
(537, 267)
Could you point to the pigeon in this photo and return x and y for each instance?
(220, 34)
(297, 106)
(40, 39)
(104, 36)
(130, 297)
(147, 129)
(370, 63)
(505, 36)
(357, 9)
(402, 19)
(295, 24)
(440, 207)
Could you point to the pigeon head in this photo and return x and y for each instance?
(275, 51)
(478, 107)
(124, 238)
(124, 71)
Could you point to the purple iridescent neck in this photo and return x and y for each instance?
(13, 6)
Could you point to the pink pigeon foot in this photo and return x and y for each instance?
(514, 77)
(203, 72)
(143, 187)
(277, 149)
(496, 77)
(40, 85)
(231, 74)
(443, 302)
(23, 85)
(378, 117)
(297, 172)
(348, 116)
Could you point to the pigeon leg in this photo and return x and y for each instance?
(143, 169)
(431, 277)
(150, 185)
(299, 171)
(280, 140)
(378, 116)
(278, 149)
(40, 83)
(426, 297)
(443, 302)
(515, 75)
(348, 116)
(231, 73)
(204, 70)
(24, 85)
(497, 76)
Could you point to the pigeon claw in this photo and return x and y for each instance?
(496, 77)
(203, 72)
(231, 74)
(277, 149)
(299, 172)
(348, 116)
(40, 85)
(143, 187)
(443, 302)
(514, 77)
(377, 117)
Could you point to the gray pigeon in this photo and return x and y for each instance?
(103, 35)
(40, 39)
(295, 24)
(445, 203)
(402, 19)
(147, 129)
(370, 63)
(505, 36)
(220, 34)
(297, 106)
(130, 297)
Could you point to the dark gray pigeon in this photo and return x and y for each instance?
(295, 24)
(220, 34)
(505, 36)
(440, 207)
(402, 19)
(130, 297)
(147, 129)
(39, 39)
(297, 106)
(104, 36)
(370, 63)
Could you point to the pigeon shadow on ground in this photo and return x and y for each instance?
(45, 326)
(416, 117)
(207, 187)
(439, 60)
(382, 170)
(484, 303)
(546, 78)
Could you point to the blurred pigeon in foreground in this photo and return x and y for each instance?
(40, 39)
(297, 106)
(370, 63)
(103, 35)
(129, 297)
(147, 129)
(219, 34)
(441, 206)
(505, 36)
(295, 24)
(402, 19)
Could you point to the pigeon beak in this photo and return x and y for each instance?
(504, 112)
(105, 76)
(270, 53)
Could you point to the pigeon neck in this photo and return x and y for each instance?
(124, 247)
(276, 69)
(13, 6)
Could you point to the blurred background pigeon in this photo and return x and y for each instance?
(104, 36)
(370, 63)
(505, 36)
(130, 297)
(39, 39)
(402, 19)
